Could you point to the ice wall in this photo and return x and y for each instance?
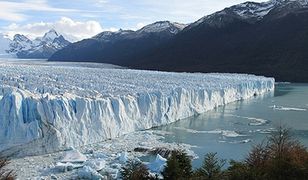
(47, 108)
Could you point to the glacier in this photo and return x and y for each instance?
(46, 108)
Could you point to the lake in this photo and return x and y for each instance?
(233, 129)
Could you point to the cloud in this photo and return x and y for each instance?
(127, 15)
(72, 30)
(113, 13)
(140, 25)
(16, 11)
(184, 11)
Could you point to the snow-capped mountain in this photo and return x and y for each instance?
(108, 36)
(164, 27)
(268, 38)
(4, 44)
(40, 48)
(19, 43)
(50, 36)
(116, 47)
(249, 11)
(265, 38)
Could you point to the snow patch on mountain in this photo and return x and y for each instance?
(248, 11)
(157, 27)
(20, 43)
(4, 44)
(162, 26)
(253, 10)
(50, 36)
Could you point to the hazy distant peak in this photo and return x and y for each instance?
(50, 35)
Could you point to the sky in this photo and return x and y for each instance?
(79, 19)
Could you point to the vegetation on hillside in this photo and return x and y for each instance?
(279, 157)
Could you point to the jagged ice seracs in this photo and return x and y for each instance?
(48, 108)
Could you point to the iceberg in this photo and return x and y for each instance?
(123, 157)
(96, 164)
(74, 156)
(158, 165)
(281, 108)
(224, 133)
(45, 108)
(88, 173)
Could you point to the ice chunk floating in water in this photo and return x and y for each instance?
(224, 133)
(255, 121)
(281, 108)
(48, 108)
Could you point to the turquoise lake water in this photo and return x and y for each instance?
(233, 129)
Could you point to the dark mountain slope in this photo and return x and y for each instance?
(275, 46)
(119, 47)
(269, 38)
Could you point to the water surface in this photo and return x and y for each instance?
(231, 130)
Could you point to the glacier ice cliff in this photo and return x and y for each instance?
(48, 108)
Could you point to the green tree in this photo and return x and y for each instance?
(211, 168)
(178, 166)
(238, 171)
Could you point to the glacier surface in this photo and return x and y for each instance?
(45, 108)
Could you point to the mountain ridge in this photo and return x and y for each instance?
(114, 47)
(41, 47)
(262, 38)
(268, 47)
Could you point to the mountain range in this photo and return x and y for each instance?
(118, 47)
(269, 38)
(39, 48)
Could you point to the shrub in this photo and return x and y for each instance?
(288, 158)
(135, 170)
(281, 158)
(257, 161)
(5, 174)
